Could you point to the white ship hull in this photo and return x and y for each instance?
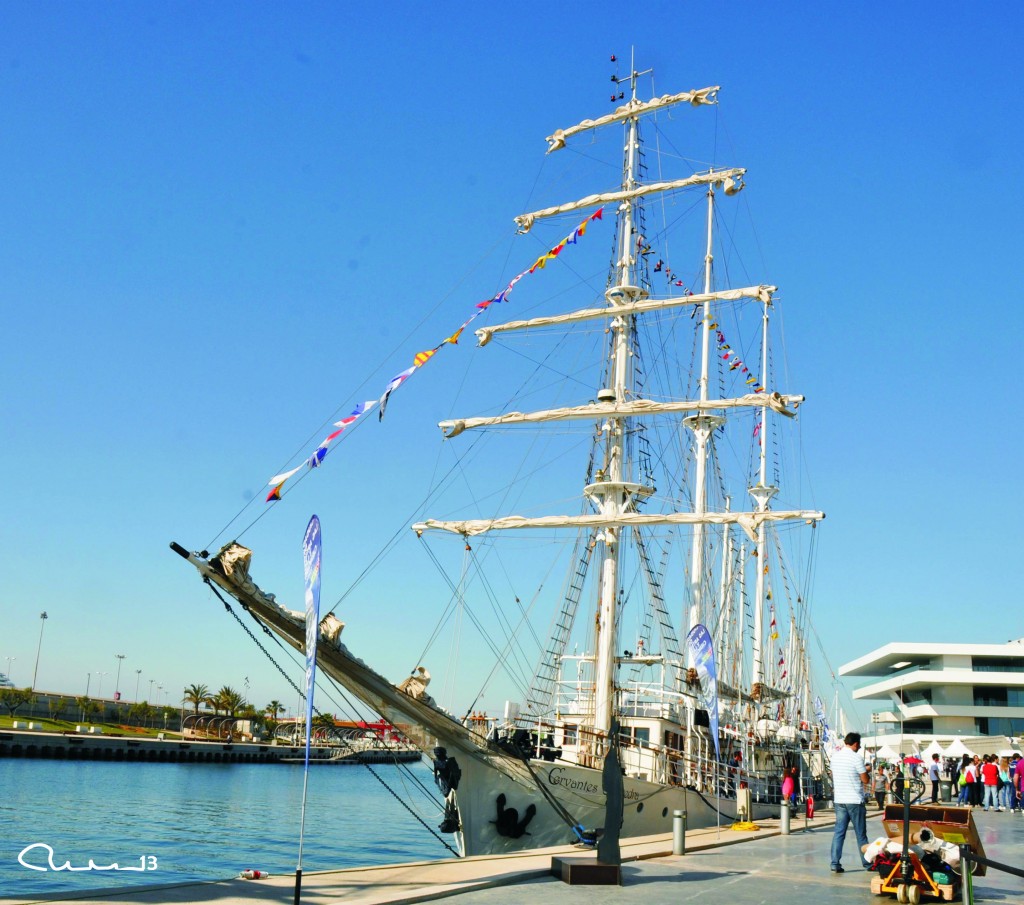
(648, 809)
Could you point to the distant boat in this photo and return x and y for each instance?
(671, 447)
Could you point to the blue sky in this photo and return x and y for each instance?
(221, 222)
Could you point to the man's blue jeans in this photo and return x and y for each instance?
(845, 815)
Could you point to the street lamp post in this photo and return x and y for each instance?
(138, 676)
(901, 721)
(99, 684)
(151, 681)
(117, 681)
(42, 624)
(9, 661)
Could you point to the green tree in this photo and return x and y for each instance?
(229, 700)
(87, 707)
(196, 695)
(57, 708)
(324, 725)
(273, 710)
(141, 712)
(16, 698)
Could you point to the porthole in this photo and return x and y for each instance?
(640, 807)
(664, 812)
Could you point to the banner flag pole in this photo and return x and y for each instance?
(311, 570)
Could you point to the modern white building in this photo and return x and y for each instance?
(924, 692)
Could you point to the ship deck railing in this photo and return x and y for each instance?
(701, 769)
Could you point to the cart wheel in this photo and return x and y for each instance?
(914, 894)
(901, 894)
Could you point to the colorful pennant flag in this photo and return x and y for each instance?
(316, 459)
(356, 413)
(727, 353)
(393, 385)
(539, 264)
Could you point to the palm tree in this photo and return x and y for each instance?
(324, 721)
(324, 727)
(229, 700)
(196, 695)
(272, 711)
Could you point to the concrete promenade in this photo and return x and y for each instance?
(720, 865)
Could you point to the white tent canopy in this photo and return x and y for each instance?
(886, 753)
(933, 748)
(957, 749)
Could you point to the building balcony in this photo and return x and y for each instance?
(906, 682)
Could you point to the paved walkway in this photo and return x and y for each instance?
(766, 868)
(793, 870)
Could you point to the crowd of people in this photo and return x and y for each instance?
(991, 782)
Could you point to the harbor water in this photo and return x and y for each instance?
(201, 821)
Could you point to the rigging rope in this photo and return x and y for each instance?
(294, 685)
(517, 680)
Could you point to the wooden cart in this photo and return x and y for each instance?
(951, 824)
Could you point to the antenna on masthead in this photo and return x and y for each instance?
(631, 78)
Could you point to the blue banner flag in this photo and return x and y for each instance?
(703, 656)
(826, 732)
(311, 569)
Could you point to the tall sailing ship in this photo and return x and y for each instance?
(668, 513)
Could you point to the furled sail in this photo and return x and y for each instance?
(775, 401)
(634, 107)
(644, 306)
(748, 521)
(726, 178)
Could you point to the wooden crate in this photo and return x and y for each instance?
(941, 820)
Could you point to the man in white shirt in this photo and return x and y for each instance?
(935, 774)
(851, 784)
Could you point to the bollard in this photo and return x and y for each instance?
(784, 817)
(966, 885)
(679, 832)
